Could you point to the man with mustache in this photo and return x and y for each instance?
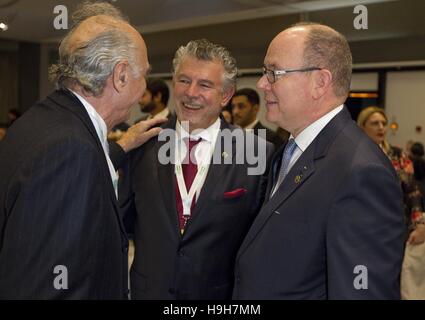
(193, 216)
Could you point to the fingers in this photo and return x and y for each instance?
(153, 122)
(152, 133)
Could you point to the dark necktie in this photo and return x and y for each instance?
(190, 169)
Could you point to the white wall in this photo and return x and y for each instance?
(405, 104)
(364, 81)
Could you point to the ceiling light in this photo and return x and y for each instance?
(3, 26)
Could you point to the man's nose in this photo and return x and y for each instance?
(263, 83)
(192, 90)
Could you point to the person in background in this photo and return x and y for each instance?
(417, 157)
(245, 107)
(413, 274)
(226, 113)
(408, 148)
(155, 99)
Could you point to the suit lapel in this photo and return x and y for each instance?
(67, 100)
(296, 177)
(272, 176)
(166, 177)
(302, 170)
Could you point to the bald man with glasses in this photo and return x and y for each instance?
(332, 224)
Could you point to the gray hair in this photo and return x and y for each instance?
(203, 49)
(92, 62)
(89, 9)
(326, 48)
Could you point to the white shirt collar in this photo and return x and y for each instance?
(98, 122)
(251, 125)
(101, 130)
(306, 137)
(209, 134)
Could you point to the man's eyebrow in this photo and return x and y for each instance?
(206, 81)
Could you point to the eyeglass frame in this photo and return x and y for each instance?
(285, 71)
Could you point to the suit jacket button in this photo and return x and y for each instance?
(181, 253)
(238, 280)
(171, 291)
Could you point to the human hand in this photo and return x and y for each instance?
(417, 236)
(139, 133)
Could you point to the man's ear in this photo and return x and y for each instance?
(120, 75)
(227, 95)
(322, 83)
(256, 107)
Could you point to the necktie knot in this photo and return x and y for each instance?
(289, 148)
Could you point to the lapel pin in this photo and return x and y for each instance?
(297, 179)
(305, 167)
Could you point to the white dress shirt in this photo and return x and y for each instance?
(102, 131)
(306, 137)
(203, 150)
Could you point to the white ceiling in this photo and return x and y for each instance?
(30, 20)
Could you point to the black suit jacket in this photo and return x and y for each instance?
(338, 209)
(58, 208)
(198, 264)
(271, 136)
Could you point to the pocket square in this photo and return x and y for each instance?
(235, 193)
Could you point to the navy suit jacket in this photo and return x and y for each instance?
(58, 208)
(198, 264)
(338, 209)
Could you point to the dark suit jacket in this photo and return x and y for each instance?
(340, 206)
(58, 207)
(271, 136)
(198, 264)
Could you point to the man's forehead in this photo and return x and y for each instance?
(241, 98)
(284, 46)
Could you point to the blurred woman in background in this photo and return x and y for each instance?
(373, 121)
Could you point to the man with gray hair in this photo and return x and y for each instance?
(193, 215)
(61, 233)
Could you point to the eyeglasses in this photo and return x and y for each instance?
(274, 75)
